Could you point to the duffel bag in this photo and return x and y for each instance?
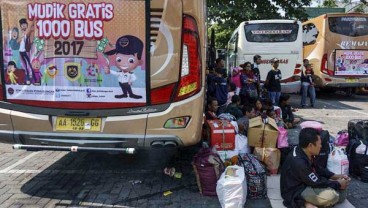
(256, 176)
(208, 168)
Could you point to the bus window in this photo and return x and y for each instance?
(349, 25)
(271, 32)
(310, 34)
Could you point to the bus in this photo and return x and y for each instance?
(280, 39)
(111, 75)
(337, 47)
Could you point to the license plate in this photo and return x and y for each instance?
(78, 124)
(352, 80)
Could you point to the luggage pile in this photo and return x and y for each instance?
(357, 149)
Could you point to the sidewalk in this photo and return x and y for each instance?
(274, 194)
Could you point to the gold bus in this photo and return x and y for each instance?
(337, 47)
(102, 75)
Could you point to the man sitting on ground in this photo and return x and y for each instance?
(303, 183)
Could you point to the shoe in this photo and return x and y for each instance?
(312, 106)
(121, 96)
(135, 96)
(302, 106)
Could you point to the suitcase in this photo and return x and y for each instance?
(222, 134)
(358, 129)
(321, 159)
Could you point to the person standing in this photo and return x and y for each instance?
(307, 84)
(272, 83)
(257, 59)
(249, 82)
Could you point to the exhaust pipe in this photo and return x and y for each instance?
(157, 144)
(170, 144)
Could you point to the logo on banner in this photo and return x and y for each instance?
(10, 90)
(72, 71)
(88, 92)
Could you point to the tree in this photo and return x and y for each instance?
(226, 15)
(329, 4)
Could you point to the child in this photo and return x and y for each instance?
(258, 108)
(230, 92)
(128, 53)
(236, 79)
(287, 112)
(272, 114)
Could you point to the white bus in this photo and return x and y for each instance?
(280, 39)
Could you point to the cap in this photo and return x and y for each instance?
(127, 45)
(275, 60)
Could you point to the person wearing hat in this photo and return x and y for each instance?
(128, 51)
(272, 83)
(25, 47)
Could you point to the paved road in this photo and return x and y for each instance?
(60, 179)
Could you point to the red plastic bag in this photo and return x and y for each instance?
(282, 139)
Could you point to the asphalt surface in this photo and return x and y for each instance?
(61, 179)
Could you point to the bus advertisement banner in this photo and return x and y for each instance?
(351, 62)
(77, 51)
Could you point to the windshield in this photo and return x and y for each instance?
(349, 25)
(271, 32)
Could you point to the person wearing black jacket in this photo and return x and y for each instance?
(272, 82)
(257, 60)
(304, 184)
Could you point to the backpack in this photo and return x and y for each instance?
(208, 168)
(321, 159)
(358, 129)
(357, 162)
(256, 176)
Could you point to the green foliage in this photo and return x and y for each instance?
(226, 15)
(329, 4)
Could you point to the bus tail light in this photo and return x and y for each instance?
(324, 64)
(297, 69)
(190, 72)
(162, 94)
(324, 68)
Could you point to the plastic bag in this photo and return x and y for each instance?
(338, 162)
(282, 139)
(311, 124)
(269, 156)
(342, 138)
(231, 188)
(361, 149)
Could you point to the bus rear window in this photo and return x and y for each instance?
(271, 32)
(353, 26)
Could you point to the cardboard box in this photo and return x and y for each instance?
(222, 134)
(262, 135)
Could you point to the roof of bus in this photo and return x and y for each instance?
(270, 21)
(343, 14)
